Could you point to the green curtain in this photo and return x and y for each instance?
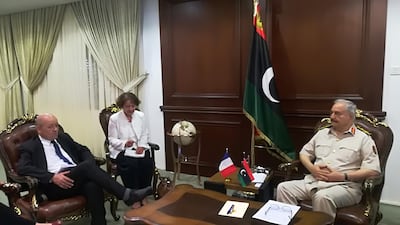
(9, 74)
(35, 36)
(111, 30)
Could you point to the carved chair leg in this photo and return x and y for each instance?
(114, 207)
(113, 202)
(156, 176)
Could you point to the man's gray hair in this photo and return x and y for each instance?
(350, 106)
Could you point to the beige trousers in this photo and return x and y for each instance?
(325, 199)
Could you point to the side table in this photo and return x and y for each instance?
(192, 158)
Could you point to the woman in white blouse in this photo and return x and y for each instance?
(128, 143)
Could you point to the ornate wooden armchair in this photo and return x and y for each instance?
(367, 211)
(24, 200)
(12, 189)
(104, 117)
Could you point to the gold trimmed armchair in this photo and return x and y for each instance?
(24, 199)
(104, 117)
(367, 211)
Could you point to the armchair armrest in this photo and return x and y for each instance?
(289, 168)
(22, 184)
(10, 188)
(12, 191)
(154, 146)
(26, 182)
(99, 160)
(372, 186)
(293, 165)
(372, 182)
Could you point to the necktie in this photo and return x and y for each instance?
(59, 154)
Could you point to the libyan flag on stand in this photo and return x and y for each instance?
(245, 175)
(261, 102)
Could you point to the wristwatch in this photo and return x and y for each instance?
(346, 177)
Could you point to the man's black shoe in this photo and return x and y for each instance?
(139, 195)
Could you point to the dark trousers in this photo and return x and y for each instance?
(8, 216)
(89, 181)
(135, 173)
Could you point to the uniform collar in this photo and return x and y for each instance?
(351, 131)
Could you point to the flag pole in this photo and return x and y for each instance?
(261, 103)
(252, 154)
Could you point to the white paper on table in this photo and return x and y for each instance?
(259, 177)
(238, 209)
(257, 185)
(276, 212)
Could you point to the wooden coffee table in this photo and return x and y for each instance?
(188, 205)
(220, 184)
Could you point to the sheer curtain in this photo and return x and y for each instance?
(88, 68)
(75, 89)
(111, 30)
(9, 75)
(35, 36)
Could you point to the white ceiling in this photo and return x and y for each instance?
(12, 6)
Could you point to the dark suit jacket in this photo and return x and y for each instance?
(32, 161)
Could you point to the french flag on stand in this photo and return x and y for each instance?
(226, 167)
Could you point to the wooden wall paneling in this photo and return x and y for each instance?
(218, 131)
(201, 53)
(320, 51)
(324, 50)
(204, 57)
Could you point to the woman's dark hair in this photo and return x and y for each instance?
(127, 96)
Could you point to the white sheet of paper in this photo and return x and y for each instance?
(238, 209)
(276, 212)
(259, 177)
(257, 185)
(132, 153)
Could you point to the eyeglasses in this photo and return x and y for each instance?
(280, 211)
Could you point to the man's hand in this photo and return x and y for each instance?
(320, 172)
(324, 173)
(61, 180)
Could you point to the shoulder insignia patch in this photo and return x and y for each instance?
(353, 130)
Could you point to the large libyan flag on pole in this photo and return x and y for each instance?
(261, 102)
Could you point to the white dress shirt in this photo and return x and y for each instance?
(54, 163)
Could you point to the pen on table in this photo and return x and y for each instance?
(230, 210)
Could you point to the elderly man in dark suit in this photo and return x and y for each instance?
(65, 168)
